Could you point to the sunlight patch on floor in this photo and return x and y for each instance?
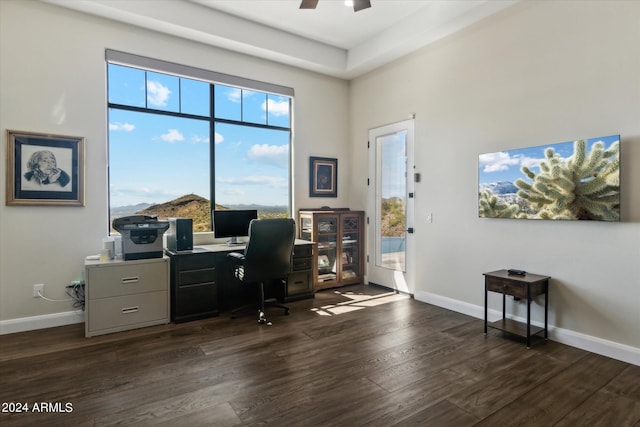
(357, 302)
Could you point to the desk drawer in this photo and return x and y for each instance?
(299, 283)
(128, 310)
(302, 264)
(194, 300)
(194, 277)
(125, 279)
(302, 251)
(505, 286)
(196, 261)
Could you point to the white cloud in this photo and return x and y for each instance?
(502, 161)
(198, 138)
(272, 181)
(126, 127)
(275, 155)
(233, 192)
(172, 135)
(496, 162)
(234, 95)
(277, 108)
(530, 162)
(157, 93)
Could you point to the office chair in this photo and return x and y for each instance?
(267, 257)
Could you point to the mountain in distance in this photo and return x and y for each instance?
(197, 208)
(499, 187)
(121, 211)
(187, 206)
(263, 211)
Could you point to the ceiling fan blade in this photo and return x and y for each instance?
(308, 4)
(360, 4)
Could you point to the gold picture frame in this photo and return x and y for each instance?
(44, 169)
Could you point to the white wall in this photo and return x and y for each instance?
(537, 73)
(53, 80)
(540, 72)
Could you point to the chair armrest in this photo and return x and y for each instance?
(237, 256)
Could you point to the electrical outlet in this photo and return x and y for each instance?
(38, 288)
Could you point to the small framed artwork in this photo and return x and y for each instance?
(44, 169)
(323, 177)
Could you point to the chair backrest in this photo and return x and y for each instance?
(270, 249)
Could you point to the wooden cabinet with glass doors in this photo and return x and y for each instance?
(339, 235)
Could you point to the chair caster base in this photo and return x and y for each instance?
(262, 319)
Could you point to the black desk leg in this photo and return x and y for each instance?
(485, 306)
(528, 316)
(546, 311)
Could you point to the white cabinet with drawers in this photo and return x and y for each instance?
(121, 295)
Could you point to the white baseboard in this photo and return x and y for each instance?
(41, 322)
(590, 343)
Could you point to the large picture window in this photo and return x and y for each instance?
(179, 145)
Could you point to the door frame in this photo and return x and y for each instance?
(393, 279)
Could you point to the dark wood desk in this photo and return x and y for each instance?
(202, 282)
(526, 287)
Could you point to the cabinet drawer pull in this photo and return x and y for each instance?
(129, 310)
(127, 280)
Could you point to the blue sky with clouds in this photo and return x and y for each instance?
(393, 167)
(154, 158)
(505, 165)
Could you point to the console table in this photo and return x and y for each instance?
(527, 287)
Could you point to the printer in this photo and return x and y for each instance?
(141, 236)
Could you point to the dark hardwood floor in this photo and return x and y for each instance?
(355, 356)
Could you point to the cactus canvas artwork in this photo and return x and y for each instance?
(575, 180)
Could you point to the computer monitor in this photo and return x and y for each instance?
(233, 223)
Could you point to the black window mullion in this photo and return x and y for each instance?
(213, 121)
(212, 151)
(179, 95)
(266, 108)
(146, 88)
(242, 105)
(250, 124)
(158, 112)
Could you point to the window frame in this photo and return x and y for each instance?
(150, 65)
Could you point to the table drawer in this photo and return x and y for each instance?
(508, 287)
(196, 261)
(123, 279)
(302, 264)
(302, 251)
(194, 277)
(195, 299)
(128, 310)
(299, 283)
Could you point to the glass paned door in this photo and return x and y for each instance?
(327, 248)
(391, 201)
(350, 256)
(390, 205)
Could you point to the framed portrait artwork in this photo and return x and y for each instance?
(323, 177)
(44, 169)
